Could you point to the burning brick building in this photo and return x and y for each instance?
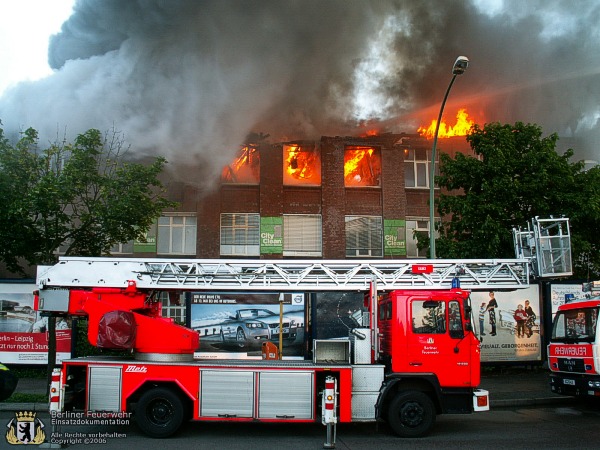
(336, 198)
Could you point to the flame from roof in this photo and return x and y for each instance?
(461, 128)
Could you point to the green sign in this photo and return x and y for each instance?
(394, 232)
(147, 245)
(271, 235)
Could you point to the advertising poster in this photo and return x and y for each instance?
(23, 332)
(235, 325)
(394, 237)
(271, 235)
(509, 323)
(558, 292)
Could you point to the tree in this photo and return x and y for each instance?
(82, 197)
(516, 175)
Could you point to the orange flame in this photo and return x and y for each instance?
(302, 165)
(362, 166)
(245, 169)
(461, 128)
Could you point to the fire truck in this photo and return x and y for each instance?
(573, 350)
(415, 356)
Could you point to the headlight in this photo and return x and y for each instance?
(255, 325)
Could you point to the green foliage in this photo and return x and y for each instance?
(83, 197)
(516, 175)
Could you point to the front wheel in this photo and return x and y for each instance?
(240, 338)
(159, 412)
(411, 414)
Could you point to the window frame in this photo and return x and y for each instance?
(244, 229)
(303, 250)
(185, 228)
(372, 251)
(411, 159)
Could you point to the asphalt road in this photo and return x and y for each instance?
(552, 427)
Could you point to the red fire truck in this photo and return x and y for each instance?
(416, 356)
(574, 344)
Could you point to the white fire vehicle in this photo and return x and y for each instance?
(574, 347)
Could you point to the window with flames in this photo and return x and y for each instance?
(362, 166)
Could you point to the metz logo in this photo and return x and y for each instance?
(137, 369)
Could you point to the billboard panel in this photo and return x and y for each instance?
(23, 332)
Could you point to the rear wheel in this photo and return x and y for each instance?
(159, 412)
(411, 414)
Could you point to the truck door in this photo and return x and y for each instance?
(437, 341)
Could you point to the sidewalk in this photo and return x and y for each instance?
(507, 387)
(520, 387)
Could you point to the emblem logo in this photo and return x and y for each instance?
(25, 428)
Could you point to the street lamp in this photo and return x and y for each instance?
(460, 65)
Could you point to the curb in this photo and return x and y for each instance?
(507, 403)
(43, 407)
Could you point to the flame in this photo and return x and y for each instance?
(302, 165)
(362, 166)
(461, 128)
(245, 168)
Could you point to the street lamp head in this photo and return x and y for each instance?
(460, 65)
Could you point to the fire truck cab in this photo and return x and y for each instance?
(574, 348)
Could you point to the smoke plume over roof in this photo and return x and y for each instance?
(189, 79)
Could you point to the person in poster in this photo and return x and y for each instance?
(491, 308)
(520, 317)
(482, 310)
(530, 319)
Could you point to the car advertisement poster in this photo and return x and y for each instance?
(23, 332)
(509, 324)
(235, 325)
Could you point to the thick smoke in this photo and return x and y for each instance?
(189, 79)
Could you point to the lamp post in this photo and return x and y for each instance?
(460, 65)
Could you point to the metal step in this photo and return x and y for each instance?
(285, 275)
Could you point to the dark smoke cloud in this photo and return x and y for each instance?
(190, 79)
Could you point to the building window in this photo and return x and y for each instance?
(240, 234)
(123, 248)
(173, 306)
(416, 167)
(301, 165)
(419, 225)
(245, 169)
(362, 166)
(302, 235)
(177, 235)
(364, 236)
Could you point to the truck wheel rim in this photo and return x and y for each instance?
(412, 414)
(160, 411)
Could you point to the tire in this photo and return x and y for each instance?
(240, 338)
(159, 413)
(411, 414)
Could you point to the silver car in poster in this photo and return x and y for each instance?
(253, 326)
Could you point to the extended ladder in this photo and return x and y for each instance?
(284, 275)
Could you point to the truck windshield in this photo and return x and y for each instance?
(575, 325)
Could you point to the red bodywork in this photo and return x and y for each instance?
(151, 333)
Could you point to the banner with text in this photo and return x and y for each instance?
(23, 332)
